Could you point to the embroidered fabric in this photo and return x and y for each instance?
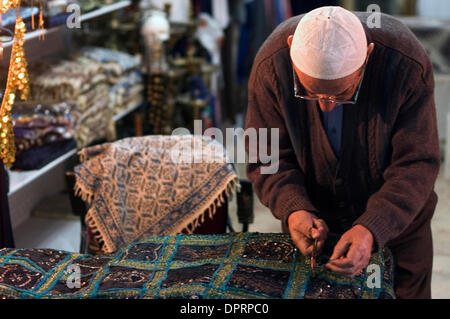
(240, 265)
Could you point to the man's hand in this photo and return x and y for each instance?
(352, 252)
(305, 228)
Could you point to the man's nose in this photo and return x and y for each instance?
(326, 106)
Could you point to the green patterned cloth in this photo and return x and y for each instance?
(242, 265)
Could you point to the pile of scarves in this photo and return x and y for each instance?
(123, 76)
(42, 132)
(82, 82)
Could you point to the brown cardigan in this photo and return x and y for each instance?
(390, 155)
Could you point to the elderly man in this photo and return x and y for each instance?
(358, 142)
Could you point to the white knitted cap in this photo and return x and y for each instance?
(329, 43)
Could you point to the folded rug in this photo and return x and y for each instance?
(245, 265)
(152, 185)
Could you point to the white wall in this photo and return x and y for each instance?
(433, 8)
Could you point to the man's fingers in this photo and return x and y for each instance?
(304, 228)
(339, 270)
(352, 259)
(360, 257)
(340, 249)
(350, 265)
(301, 221)
(352, 252)
(305, 245)
(343, 263)
(320, 224)
(320, 245)
(320, 230)
(302, 243)
(350, 272)
(317, 233)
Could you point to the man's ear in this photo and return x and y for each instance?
(289, 40)
(370, 48)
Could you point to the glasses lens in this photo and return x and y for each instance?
(353, 99)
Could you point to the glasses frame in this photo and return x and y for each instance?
(353, 100)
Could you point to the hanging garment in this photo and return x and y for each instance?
(210, 34)
(220, 12)
(288, 8)
(229, 55)
(180, 9)
(279, 11)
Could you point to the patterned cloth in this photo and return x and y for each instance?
(244, 265)
(137, 187)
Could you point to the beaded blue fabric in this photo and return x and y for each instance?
(238, 265)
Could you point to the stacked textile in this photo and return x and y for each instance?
(42, 132)
(123, 76)
(81, 81)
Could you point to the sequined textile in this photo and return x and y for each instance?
(37, 124)
(244, 265)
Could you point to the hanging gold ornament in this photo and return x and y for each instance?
(5, 5)
(32, 14)
(17, 81)
(41, 22)
(1, 44)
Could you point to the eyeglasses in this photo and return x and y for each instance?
(353, 100)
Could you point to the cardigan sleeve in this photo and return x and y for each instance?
(409, 179)
(284, 190)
